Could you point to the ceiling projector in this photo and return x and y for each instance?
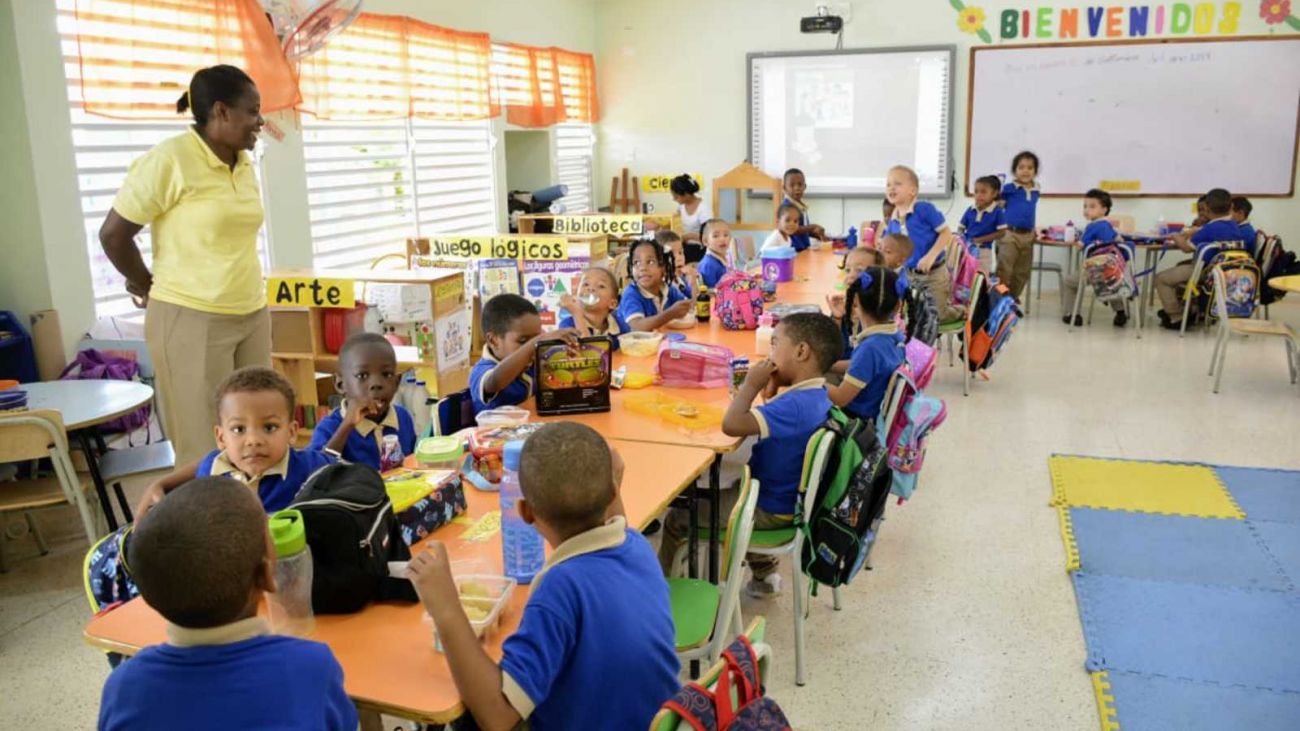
(822, 22)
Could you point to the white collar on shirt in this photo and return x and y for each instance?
(608, 535)
(979, 212)
(707, 252)
(1029, 189)
(226, 634)
(611, 324)
(900, 213)
(224, 467)
(884, 328)
(803, 207)
(660, 298)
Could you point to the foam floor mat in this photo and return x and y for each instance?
(1153, 487)
(1264, 494)
(1153, 703)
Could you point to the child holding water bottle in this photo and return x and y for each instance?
(597, 624)
(368, 379)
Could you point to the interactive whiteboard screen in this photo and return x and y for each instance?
(846, 117)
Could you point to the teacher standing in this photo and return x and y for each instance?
(205, 302)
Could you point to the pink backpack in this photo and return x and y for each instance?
(905, 437)
(963, 274)
(920, 361)
(683, 364)
(738, 301)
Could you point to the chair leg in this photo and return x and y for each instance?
(36, 534)
(965, 378)
(835, 598)
(1078, 302)
(1214, 356)
(1291, 359)
(1187, 310)
(951, 347)
(798, 623)
(127, 518)
(1223, 356)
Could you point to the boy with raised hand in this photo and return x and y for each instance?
(203, 558)
(368, 378)
(596, 646)
(804, 347)
(511, 328)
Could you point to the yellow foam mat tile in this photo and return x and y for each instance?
(1150, 487)
(1067, 538)
(1105, 700)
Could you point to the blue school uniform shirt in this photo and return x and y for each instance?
(922, 225)
(615, 325)
(1021, 204)
(275, 487)
(877, 355)
(687, 288)
(363, 445)
(596, 645)
(1249, 236)
(515, 392)
(1222, 231)
(234, 676)
(976, 223)
(711, 268)
(637, 302)
(784, 425)
(1100, 232)
(798, 241)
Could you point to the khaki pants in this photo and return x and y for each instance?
(1070, 290)
(1015, 260)
(938, 282)
(677, 530)
(192, 353)
(1167, 284)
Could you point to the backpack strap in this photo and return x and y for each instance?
(741, 657)
(695, 705)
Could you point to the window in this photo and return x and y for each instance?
(103, 149)
(572, 158)
(372, 185)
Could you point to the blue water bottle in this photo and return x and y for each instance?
(522, 550)
(852, 240)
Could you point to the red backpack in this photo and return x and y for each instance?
(714, 710)
(738, 301)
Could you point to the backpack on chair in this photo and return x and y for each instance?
(716, 710)
(738, 301)
(845, 482)
(1241, 280)
(1106, 271)
(995, 316)
(914, 416)
(921, 315)
(964, 269)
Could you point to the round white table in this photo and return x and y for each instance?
(84, 405)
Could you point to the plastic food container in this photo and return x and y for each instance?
(483, 596)
(502, 416)
(641, 344)
(685, 323)
(486, 444)
(439, 453)
(778, 264)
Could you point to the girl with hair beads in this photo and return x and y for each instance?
(650, 301)
(877, 347)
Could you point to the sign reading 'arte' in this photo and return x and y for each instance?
(310, 292)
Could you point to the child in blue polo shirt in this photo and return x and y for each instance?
(985, 222)
(1020, 198)
(716, 236)
(368, 379)
(596, 645)
(512, 329)
(793, 184)
(877, 347)
(787, 223)
(1241, 208)
(804, 346)
(921, 222)
(595, 304)
(685, 277)
(203, 559)
(650, 300)
(255, 433)
(1220, 234)
(1096, 207)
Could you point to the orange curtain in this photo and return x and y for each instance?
(136, 57)
(387, 66)
(540, 87)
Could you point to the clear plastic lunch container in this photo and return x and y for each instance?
(484, 597)
(502, 416)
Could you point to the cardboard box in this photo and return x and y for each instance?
(568, 383)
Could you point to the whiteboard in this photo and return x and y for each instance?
(1172, 118)
(846, 117)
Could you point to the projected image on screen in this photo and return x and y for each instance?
(846, 118)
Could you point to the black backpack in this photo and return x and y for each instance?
(353, 535)
(847, 477)
(921, 314)
(1282, 263)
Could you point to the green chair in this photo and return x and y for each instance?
(707, 615)
(667, 720)
(948, 332)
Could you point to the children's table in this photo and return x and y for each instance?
(386, 650)
(1290, 283)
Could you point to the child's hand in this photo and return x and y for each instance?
(835, 303)
(430, 573)
(152, 495)
(569, 303)
(568, 334)
(690, 273)
(759, 376)
(360, 409)
(679, 309)
(819, 232)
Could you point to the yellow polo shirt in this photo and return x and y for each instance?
(204, 219)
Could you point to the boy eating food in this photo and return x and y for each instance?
(368, 380)
(512, 328)
(203, 558)
(597, 625)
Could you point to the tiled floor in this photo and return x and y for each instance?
(968, 620)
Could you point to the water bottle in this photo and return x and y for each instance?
(851, 241)
(1161, 228)
(289, 607)
(522, 550)
(390, 457)
(763, 335)
(1069, 232)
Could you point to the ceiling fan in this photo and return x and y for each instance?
(304, 26)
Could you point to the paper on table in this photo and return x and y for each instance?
(401, 302)
(484, 528)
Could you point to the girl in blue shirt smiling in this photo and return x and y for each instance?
(650, 301)
(877, 348)
(1020, 201)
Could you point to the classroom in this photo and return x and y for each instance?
(611, 364)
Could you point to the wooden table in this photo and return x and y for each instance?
(85, 405)
(386, 650)
(1290, 283)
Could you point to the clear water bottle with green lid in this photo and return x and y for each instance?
(289, 606)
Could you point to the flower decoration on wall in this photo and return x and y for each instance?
(1278, 11)
(970, 19)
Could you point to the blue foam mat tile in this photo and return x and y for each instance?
(1216, 634)
(1174, 548)
(1153, 703)
(1282, 541)
(1263, 494)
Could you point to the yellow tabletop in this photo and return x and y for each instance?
(1290, 283)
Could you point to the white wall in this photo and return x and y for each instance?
(528, 159)
(672, 79)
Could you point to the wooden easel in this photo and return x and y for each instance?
(630, 200)
(745, 177)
